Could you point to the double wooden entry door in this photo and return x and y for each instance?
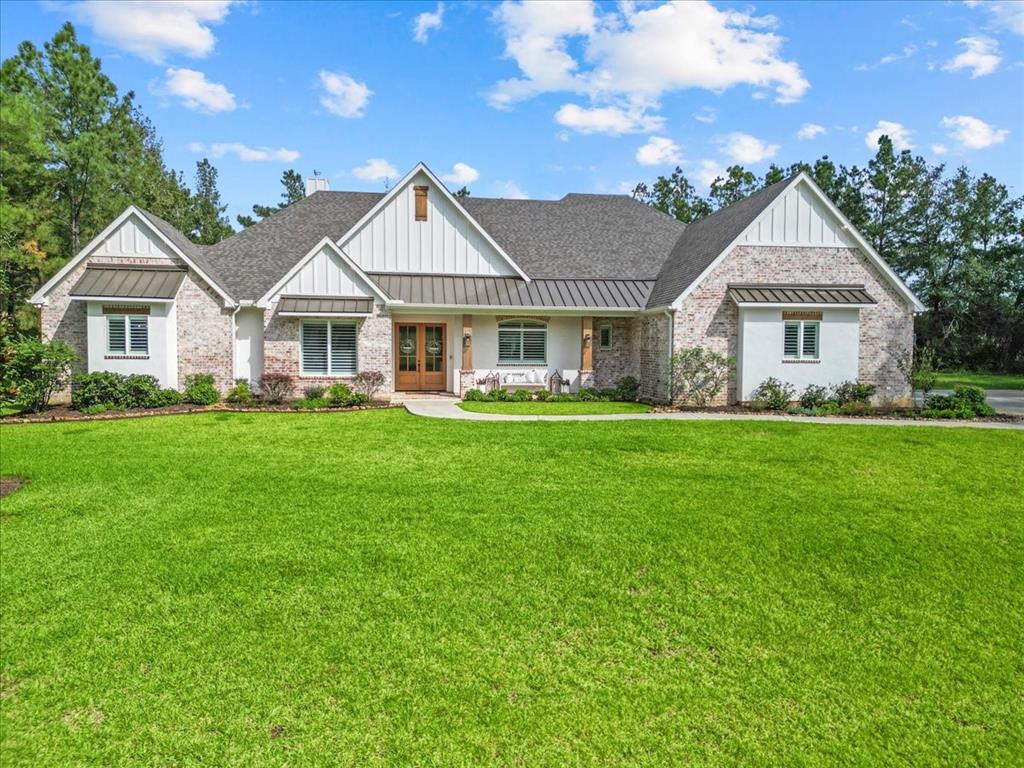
(421, 356)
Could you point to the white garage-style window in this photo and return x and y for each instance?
(522, 342)
(327, 348)
(128, 335)
(802, 340)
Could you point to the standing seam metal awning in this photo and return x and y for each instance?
(477, 291)
(800, 294)
(135, 282)
(324, 305)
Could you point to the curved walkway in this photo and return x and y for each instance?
(448, 408)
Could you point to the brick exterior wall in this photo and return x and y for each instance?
(654, 339)
(204, 333)
(373, 348)
(623, 359)
(64, 318)
(710, 319)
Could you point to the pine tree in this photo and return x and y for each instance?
(209, 224)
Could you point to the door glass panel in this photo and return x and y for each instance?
(407, 348)
(434, 348)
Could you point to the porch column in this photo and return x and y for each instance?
(587, 352)
(467, 375)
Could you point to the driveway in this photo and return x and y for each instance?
(1003, 400)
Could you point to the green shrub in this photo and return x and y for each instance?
(627, 390)
(31, 371)
(827, 409)
(543, 395)
(312, 403)
(200, 389)
(165, 398)
(853, 392)
(699, 374)
(773, 394)
(563, 397)
(96, 408)
(368, 383)
(275, 387)
(313, 392)
(341, 394)
(945, 413)
(965, 403)
(501, 395)
(855, 408)
(587, 394)
(241, 393)
(814, 396)
(522, 395)
(141, 389)
(99, 388)
(474, 394)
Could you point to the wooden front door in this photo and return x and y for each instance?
(421, 356)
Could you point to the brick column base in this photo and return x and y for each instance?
(586, 378)
(467, 380)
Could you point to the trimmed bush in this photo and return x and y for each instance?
(32, 370)
(311, 403)
(474, 394)
(341, 394)
(165, 398)
(275, 387)
(313, 392)
(853, 392)
(141, 390)
(241, 393)
(827, 409)
(773, 395)
(99, 388)
(964, 403)
(521, 396)
(627, 390)
(200, 389)
(542, 395)
(855, 408)
(814, 396)
(368, 383)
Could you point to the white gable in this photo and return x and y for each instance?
(325, 274)
(798, 217)
(134, 238)
(447, 242)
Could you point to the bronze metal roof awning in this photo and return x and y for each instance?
(156, 283)
(838, 295)
(325, 305)
(474, 291)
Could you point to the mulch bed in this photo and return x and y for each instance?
(9, 485)
(59, 413)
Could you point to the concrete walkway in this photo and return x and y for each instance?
(448, 408)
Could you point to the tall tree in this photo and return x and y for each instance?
(209, 224)
(737, 184)
(294, 190)
(674, 195)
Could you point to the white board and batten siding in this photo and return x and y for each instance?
(798, 218)
(326, 275)
(134, 239)
(446, 243)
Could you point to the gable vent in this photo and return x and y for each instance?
(421, 203)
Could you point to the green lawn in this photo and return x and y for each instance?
(375, 589)
(535, 408)
(950, 379)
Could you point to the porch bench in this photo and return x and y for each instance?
(513, 380)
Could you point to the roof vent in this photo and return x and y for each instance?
(316, 184)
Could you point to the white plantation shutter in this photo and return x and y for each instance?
(809, 343)
(522, 342)
(791, 340)
(116, 338)
(343, 349)
(138, 332)
(313, 348)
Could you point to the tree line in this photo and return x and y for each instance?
(956, 239)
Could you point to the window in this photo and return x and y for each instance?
(605, 336)
(327, 348)
(801, 340)
(127, 335)
(522, 342)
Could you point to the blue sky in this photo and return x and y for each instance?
(541, 100)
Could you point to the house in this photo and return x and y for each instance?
(439, 293)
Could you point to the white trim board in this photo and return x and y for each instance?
(847, 228)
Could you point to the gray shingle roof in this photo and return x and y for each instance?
(703, 240)
(441, 290)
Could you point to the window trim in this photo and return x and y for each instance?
(801, 325)
(600, 336)
(510, 326)
(330, 322)
(129, 350)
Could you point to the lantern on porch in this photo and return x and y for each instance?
(555, 383)
(492, 381)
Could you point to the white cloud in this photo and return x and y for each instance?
(745, 149)
(609, 120)
(244, 153)
(343, 95)
(706, 115)
(152, 29)
(461, 174)
(899, 134)
(630, 58)
(939, 149)
(708, 171)
(376, 169)
(425, 22)
(659, 151)
(196, 92)
(810, 131)
(513, 191)
(980, 55)
(906, 53)
(972, 133)
(1004, 14)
